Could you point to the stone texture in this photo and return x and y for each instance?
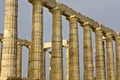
(11, 59)
(88, 64)
(37, 40)
(10, 78)
(19, 60)
(105, 60)
(29, 62)
(117, 42)
(48, 45)
(73, 49)
(100, 73)
(43, 76)
(1, 57)
(56, 62)
(110, 57)
(9, 56)
(67, 62)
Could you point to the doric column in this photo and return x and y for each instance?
(100, 74)
(74, 73)
(56, 63)
(50, 56)
(105, 60)
(30, 66)
(19, 60)
(43, 65)
(67, 62)
(118, 57)
(1, 55)
(37, 40)
(0, 65)
(110, 57)
(88, 64)
(9, 51)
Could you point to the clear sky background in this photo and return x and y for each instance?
(104, 11)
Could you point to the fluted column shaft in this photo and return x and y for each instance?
(43, 65)
(105, 60)
(100, 74)
(37, 40)
(9, 56)
(88, 64)
(56, 63)
(73, 49)
(19, 60)
(1, 56)
(29, 62)
(110, 57)
(67, 62)
(118, 58)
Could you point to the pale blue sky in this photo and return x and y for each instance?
(104, 11)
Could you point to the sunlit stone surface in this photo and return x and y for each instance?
(104, 67)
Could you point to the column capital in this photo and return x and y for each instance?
(56, 10)
(108, 35)
(99, 29)
(34, 2)
(86, 24)
(118, 33)
(103, 37)
(117, 36)
(72, 17)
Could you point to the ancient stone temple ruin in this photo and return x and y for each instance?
(106, 69)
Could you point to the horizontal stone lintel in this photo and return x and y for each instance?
(67, 11)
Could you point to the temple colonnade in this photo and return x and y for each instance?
(106, 69)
